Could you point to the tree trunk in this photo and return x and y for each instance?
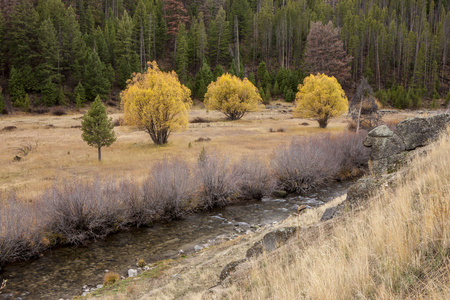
(99, 154)
(323, 122)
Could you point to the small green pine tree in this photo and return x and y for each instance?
(97, 128)
(23, 103)
(447, 99)
(62, 97)
(2, 102)
(80, 96)
(16, 87)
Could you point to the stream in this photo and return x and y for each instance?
(62, 272)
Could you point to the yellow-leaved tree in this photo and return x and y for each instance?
(157, 103)
(320, 97)
(232, 96)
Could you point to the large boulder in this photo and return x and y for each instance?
(417, 132)
(389, 149)
(383, 143)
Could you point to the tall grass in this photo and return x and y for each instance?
(399, 248)
(74, 211)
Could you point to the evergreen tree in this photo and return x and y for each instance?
(219, 38)
(263, 74)
(49, 54)
(98, 130)
(124, 53)
(203, 79)
(2, 102)
(95, 77)
(72, 47)
(218, 71)
(2, 44)
(181, 56)
(16, 87)
(50, 93)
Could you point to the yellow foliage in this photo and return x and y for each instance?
(320, 97)
(232, 96)
(157, 103)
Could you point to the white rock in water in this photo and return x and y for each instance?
(132, 273)
(197, 248)
(99, 286)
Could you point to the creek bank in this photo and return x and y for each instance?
(63, 272)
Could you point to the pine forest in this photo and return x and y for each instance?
(66, 52)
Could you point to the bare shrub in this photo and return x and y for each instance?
(306, 163)
(118, 122)
(252, 177)
(27, 148)
(200, 120)
(353, 157)
(168, 189)
(310, 161)
(79, 210)
(40, 110)
(202, 139)
(136, 212)
(281, 129)
(216, 176)
(21, 230)
(59, 111)
(9, 128)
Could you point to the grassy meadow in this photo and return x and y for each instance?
(61, 153)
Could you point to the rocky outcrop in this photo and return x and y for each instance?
(271, 241)
(389, 151)
(389, 148)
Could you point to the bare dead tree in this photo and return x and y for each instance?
(363, 107)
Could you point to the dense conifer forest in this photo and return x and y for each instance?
(66, 52)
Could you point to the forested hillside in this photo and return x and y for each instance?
(66, 52)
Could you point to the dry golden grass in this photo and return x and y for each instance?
(397, 249)
(61, 153)
(110, 278)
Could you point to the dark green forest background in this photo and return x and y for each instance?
(66, 52)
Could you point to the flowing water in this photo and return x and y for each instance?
(62, 272)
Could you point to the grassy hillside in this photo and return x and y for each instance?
(398, 248)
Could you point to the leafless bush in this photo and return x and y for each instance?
(200, 120)
(306, 163)
(27, 148)
(78, 210)
(216, 176)
(118, 122)
(202, 139)
(40, 110)
(21, 230)
(9, 128)
(135, 210)
(310, 161)
(168, 189)
(350, 152)
(253, 178)
(58, 111)
(281, 129)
